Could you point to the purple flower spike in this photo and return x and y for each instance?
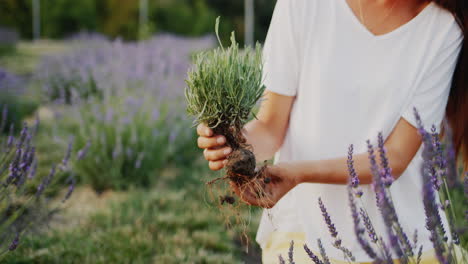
(325, 258)
(82, 153)
(398, 239)
(369, 227)
(386, 171)
(10, 137)
(47, 180)
(71, 188)
(328, 221)
(14, 244)
(291, 253)
(431, 207)
(281, 259)
(358, 228)
(312, 256)
(354, 179)
(68, 153)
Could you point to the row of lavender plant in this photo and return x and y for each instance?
(97, 67)
(439, 176)
(124, 105)
(13, 93)
(129, 141)
(20, 209)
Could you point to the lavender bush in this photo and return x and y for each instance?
(129, 140)
(21, 210)
(439, 176)
(13, 96)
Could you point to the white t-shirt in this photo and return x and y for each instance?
(349, 85)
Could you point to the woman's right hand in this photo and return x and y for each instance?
(215, 149)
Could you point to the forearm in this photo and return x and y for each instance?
(262, 139)
(335, 171)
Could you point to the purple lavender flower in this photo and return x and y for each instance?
(68, 153)
(386, 171)
(14, 244)
(71, 187)
(415, 238)
(281, 259)
(431, 208)
(398, 239)
(439, 171)
(291, 253)
(82, 153)
(47, 180)
(139, 159)
(312, 256)
(328, 221)
(333, 232)
(10, 136)
(32, 171)
(323, 253)
(358, 229)
(369, 227)
(352, 173)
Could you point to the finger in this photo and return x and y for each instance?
(211, 142)
(217, 154)
(217, 165)
(204, 131)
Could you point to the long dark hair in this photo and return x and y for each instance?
(457, 107)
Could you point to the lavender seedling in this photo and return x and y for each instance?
(222, 89)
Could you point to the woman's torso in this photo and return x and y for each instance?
(350, 86)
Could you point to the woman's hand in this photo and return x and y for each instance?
(215, 149)
(282, 178)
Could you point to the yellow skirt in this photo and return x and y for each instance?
(279, 242)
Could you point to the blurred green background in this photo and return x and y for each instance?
(120, 18)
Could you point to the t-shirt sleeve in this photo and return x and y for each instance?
(280, 52)
(431, 95)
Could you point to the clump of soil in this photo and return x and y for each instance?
(241, 167)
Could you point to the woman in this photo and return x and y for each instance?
(337, 72)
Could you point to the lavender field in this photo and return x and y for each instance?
(110, 171)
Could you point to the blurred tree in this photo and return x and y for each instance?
(60, 18)
(186, 17)
(118, 18)
(16, 14)
(233, 10)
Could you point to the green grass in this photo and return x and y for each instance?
(162, 225)
(25, 57)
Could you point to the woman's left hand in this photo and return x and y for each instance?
(282, 178)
